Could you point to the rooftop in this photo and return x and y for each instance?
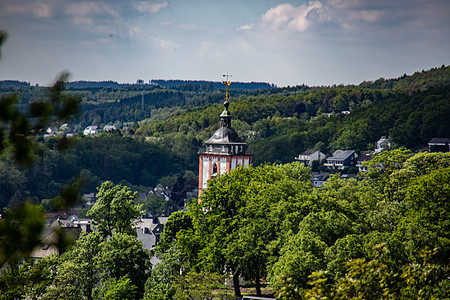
(341, 154)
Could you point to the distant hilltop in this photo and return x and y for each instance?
(434, 77)
(185, 84)
(13, 84)
(179, 84)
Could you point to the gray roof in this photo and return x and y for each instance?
(440, 141)
(148, 239)
(308, 152)
(225, 135)
(365, 157)
(341, 154)
(320, 176)
(163, 220)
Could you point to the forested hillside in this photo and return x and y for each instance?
(384, 235)
(167, 129)
(280, 123)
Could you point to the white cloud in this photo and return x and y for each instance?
(164, 43)
(90, 8)
(94, 16)
(140, 35)
(206, 46)
(83, 21)
(288, 17)
(246, 27)
(368, 16)
(145, 6)
(38, 10)
(181, 26)
(42, 10)
(345, 4)
(210, 51)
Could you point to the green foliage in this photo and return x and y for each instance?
(197, 286)
(12, 183)
(154, 204)
(114, 210)
(177, 222)
(77, 269)
(159, 285)
(224, 235)
(95, 268)
(120, 289)
(350, 239)
(18, 129)
(174, 132)
(123, 256)
(20, 230)
(375, 279)
(31, 280)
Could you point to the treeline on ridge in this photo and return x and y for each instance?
(277, 123)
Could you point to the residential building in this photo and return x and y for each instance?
(341, 159)
(91, 130)
(348, 176)
(109, 128)
(149, 231)
(307, 157)
(319, 178)
(51, 131)
(439, 145)
(360, 162)
(383, 144)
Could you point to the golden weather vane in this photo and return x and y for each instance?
(227, 84)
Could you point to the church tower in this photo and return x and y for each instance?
(225, 150)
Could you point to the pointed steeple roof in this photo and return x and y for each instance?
(225, 135)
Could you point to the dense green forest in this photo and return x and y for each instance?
(384, 235)
(165, 134)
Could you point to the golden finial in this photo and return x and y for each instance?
(227, 84)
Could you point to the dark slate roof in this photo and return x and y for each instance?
(347, 176)
(365, 157)
(147, 238)
(341, 154)
(308, 152)
(320, 176)
(225, 135)
(440, 141)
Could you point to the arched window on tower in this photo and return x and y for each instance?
(214, 170)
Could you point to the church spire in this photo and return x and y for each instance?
(224, 151)
(227, 83)
(225, 116)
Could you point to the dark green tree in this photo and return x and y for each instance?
(114, 211)
(122, 256)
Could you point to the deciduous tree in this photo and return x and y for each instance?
(114, 210)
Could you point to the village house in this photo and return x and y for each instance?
(439, 145)
(341, 159)
(383, 144)
(361, 162)
(109, 128)
(307, 157)
(91, 130)
(319, 178)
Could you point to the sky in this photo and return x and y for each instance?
(283, 42)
